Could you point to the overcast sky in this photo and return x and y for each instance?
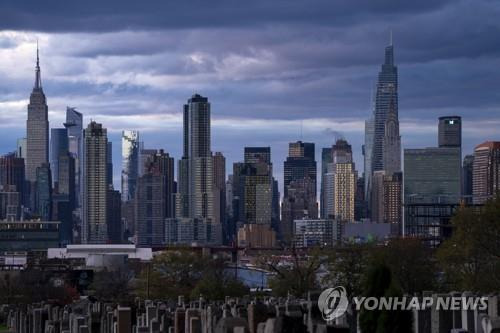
(274, 71)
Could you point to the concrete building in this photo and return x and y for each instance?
(154, 199)
(95, 228)
(486, 171)
(450, 131)
(28, 235)
(317, 232)
(195, 197)
(256, 236)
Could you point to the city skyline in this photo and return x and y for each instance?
(264, 86)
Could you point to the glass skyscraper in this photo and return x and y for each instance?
(130, 163)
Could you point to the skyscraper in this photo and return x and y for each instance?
(109, 165)
(486, 171)
(95, 229)
(130, 163)
(340, 183)
(153, 201)
(432, 175)
(300, 164)
(299, 186)
(59, 146)
(219, 168)
(367, 156)
(450, 131)
(37, 131)
(386, 101)
(195, 197)
(467, 174)
(326, 159)
(74, 125)
(392, 142)
(43, 195)
(12, 174)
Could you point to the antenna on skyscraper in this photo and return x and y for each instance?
(390, 39)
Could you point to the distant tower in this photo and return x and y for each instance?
(58, 147)
(392, 142)
(74, 125)
(486, 171)
(130, 163)
(195, 169)
(450, 131)
(386, 101)
(95, 229)
(37, 130)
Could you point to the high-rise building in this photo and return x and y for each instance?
(43, 195)
(300, 164)
(326, 159)
(195, 190)
(467, 174)
(486, 171)
(59, 146)
(345, 180)
(95, 228)
(130, 163)
(386, 101)
(21, 148)
(219, 169)
(387, 199)
(432, 175)
(340, 183)
(298, 204)
(258, 155)
(74, 125)
(299, 187)
(367, 157)
(154, 198)
(450, 131)
(114, 216)
(12, 186)
(382, 148)
(109, 165)
(12, 174)
(392, 142)
(37, 132)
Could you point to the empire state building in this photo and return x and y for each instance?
(37, 127)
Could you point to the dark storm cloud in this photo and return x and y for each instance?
(99, 16)
(266, 66)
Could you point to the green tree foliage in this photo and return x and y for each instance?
(186, 273)
(471, 257)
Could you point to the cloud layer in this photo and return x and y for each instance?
(274, 71)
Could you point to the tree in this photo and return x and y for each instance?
(379, 283)
(411, 263)
(297, 277)
(112, 286)
(346, 267)
(185, 273)
(470, 259)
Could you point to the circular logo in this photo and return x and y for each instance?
(333, 303)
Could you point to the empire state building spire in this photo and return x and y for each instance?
(37, 128)
(38, 79)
